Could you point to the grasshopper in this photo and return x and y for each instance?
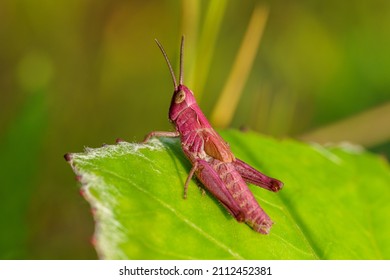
(213, 163)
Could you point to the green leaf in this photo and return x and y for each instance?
(334, 205)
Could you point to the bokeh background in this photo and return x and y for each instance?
(77, 74)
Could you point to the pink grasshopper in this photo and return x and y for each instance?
(213, 163)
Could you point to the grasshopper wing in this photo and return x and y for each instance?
(216, 147)
(253, 176)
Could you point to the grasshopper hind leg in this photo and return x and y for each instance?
(214, 184)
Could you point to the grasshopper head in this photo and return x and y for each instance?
(182, 96)
(182, 99)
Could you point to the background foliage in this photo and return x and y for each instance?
(82, 73)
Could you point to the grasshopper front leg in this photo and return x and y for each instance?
(190, 175)
(161, 134)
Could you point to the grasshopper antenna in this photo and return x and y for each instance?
(181, 61)
(169, 64)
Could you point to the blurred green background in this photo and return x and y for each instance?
(83, 73)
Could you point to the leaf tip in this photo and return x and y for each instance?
(68, 157)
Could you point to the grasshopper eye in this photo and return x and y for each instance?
(180, 96)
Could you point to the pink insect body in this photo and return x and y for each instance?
(213, 163)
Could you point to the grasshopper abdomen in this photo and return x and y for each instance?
(253, 214)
